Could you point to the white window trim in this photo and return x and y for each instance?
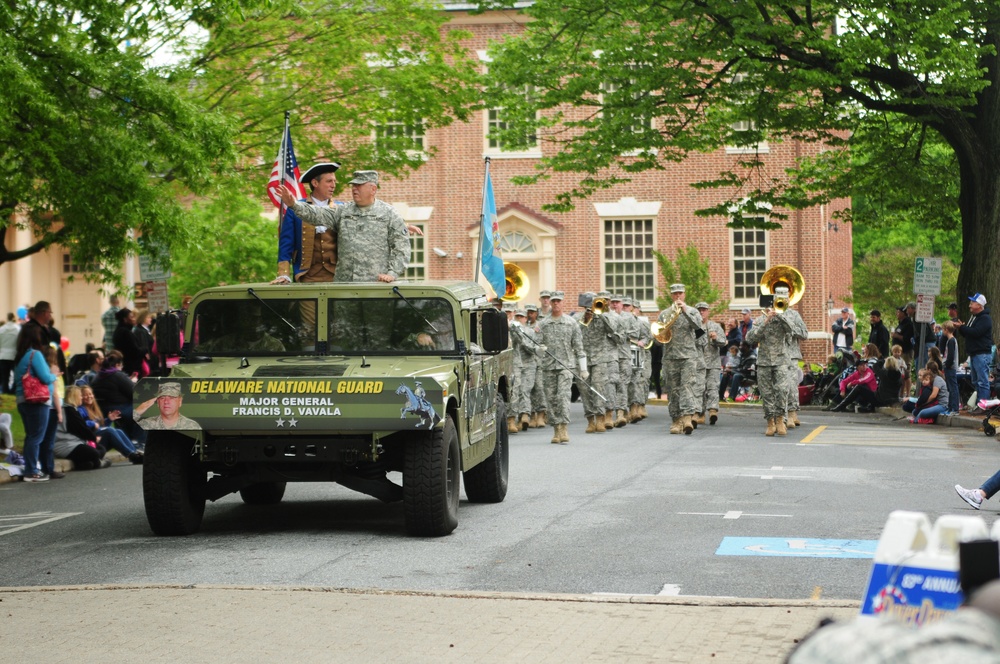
(628, 209)
(751, 302)
(421, 153)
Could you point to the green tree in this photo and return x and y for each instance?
(95, 146)
(691, 271)
(229, 242)
(884, 281)
(666, 79)
(349, 72)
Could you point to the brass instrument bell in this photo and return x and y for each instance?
(787, 276)
(516, 283)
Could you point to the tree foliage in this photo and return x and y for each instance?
(660, 80)
(93, 143)
(230, 242)
(884, 281)
(347, 71)
(112, 114)
(691, 271)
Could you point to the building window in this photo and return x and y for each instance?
(70, 267)
(629, 266)
(749, 262)
(516, 242)
(744, 125)
(497, 120)
(400, 135)
(417, 268)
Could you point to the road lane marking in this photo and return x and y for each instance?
(777, 477)
(812, 434)
(796, 547)
(34, 519)
(725, 515)
(670, 590)
(735, 514)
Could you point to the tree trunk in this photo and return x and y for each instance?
(979, 203)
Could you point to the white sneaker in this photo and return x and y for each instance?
(970, 496)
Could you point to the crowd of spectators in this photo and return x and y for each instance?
(89, 405)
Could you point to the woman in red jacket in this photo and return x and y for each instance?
(860, 386)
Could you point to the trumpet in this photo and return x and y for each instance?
(598, 306)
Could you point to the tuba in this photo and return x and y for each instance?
(516, 283)
(661, 331)
(787, 276)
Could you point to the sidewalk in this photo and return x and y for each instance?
(225, 624)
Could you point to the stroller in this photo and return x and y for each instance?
(992, 418)
(828, 382)
(748, 390)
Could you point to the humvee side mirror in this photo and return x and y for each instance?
(496, 332)
(168, 334)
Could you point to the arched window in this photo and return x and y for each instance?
(516, 242)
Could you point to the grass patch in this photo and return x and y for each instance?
(8, 404)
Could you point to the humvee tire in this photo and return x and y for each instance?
(431, 476)
(487, 482)
(263, 493)
(173, 485)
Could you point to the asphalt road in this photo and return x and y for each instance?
(632, 511)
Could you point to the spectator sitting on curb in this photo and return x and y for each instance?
(74, 440)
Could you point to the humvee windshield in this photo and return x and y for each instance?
(412, 326)
(247, 327)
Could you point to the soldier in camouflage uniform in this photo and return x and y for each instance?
(373, 243)
(646, 361)
(515, 344)
(599, 343)
(564, 352)
(799, 334)
(526, 364)
(681, 359)
(771, 331)
(620, 400)
(638, 336)
(715, 338)
(538, 403)
(169, 400)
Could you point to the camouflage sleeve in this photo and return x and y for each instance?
(319, 216)
(576, 343)
(799, 330)
(399, 245)
(756, 330)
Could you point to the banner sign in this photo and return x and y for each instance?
(288, 404)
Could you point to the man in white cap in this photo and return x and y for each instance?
(373, 243)
(564, 352)
(681, 359)
(978, 334)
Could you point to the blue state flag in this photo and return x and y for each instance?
(492, 266)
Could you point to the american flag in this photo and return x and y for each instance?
(292, 173)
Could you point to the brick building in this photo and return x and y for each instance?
(607, 241)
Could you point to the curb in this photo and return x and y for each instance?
(62, 466)
(693, 600)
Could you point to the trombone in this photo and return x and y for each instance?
(598, 307)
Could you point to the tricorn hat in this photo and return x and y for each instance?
(320, 169)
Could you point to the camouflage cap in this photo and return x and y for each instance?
(702, 305)
(531, 307)
(677, 288)
(557, 295)
(509, 306)
(604, 293)
(169, 390)
(520, 312)
(545, 293)
(626, 302)
(365, 177)
(616, 297)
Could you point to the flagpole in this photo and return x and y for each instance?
(482, 224)
(283, 158)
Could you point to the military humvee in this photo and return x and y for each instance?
(331, 383)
